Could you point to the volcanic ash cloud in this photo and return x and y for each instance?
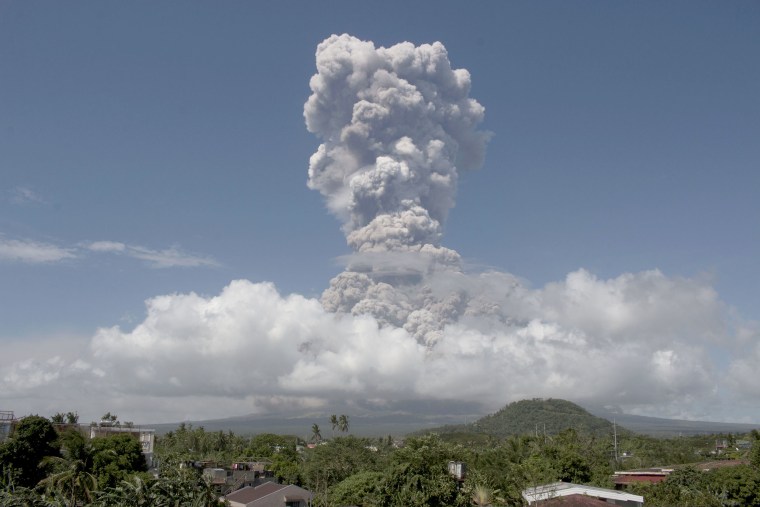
(396, 124)
(403, 322)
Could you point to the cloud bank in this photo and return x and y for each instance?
(405, 321)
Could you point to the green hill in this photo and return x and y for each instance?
(549, 416)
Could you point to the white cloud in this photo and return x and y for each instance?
(32, 252)
(107, 246)
(743, 370)
(168, 258)
(35, 252)
(22, 195)
(249, 347)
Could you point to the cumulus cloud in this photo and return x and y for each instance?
(742, 371)
(404, 321)
(251, 349)
(32, 252)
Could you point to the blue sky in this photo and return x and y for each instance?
(151, 149)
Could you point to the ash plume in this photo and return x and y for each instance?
(404, 325)
(396, 124)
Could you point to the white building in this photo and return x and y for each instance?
(564, 491)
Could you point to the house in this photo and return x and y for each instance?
(648, 475)
(270, 494)
(566, 494)
(7, 421)
(240, 474)
(146, 437)
(658, 474)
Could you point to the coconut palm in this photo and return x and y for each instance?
(343, 423)
(72, 480)
(316, 435)
(484, 496)
(132, 491)
(334, 422)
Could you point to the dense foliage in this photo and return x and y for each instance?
(68, 469)
(33, 439)
(537, 416)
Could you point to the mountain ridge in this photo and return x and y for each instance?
(403, 422)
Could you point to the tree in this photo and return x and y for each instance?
(69, 481)
(418, 475)
(363, 488)
(109, 419)
(115, 458)
(316, 435)
(737, 485)
(71, 478)
(334, 423)
(20, 457)
(266, 445)
(483, 496)
(326, 465)
(343, 423)
(754, 452)
(685, 487)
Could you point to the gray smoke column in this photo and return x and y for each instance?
(396, 125)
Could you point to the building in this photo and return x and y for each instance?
(647, 475)
(655, 475)
(6, 424)
(270, 494)
(241, 474)
(146, 437)
(567, 494)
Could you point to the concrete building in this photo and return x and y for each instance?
(146, 437)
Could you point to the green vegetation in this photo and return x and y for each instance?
(40, 467)
(66, 469)
(537, 416)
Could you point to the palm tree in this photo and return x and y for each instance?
(483, 496)
(343, 423)
(334, 422)
(72, 480)
(129, 492)
(316, 435)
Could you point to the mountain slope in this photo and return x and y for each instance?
(661, 427)
(549, 416)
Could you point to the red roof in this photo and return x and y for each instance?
(574, 501)
(634, 478)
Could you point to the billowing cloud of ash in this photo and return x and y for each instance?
(397, 124)
(404, 321)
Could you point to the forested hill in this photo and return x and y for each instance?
(537, 415)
